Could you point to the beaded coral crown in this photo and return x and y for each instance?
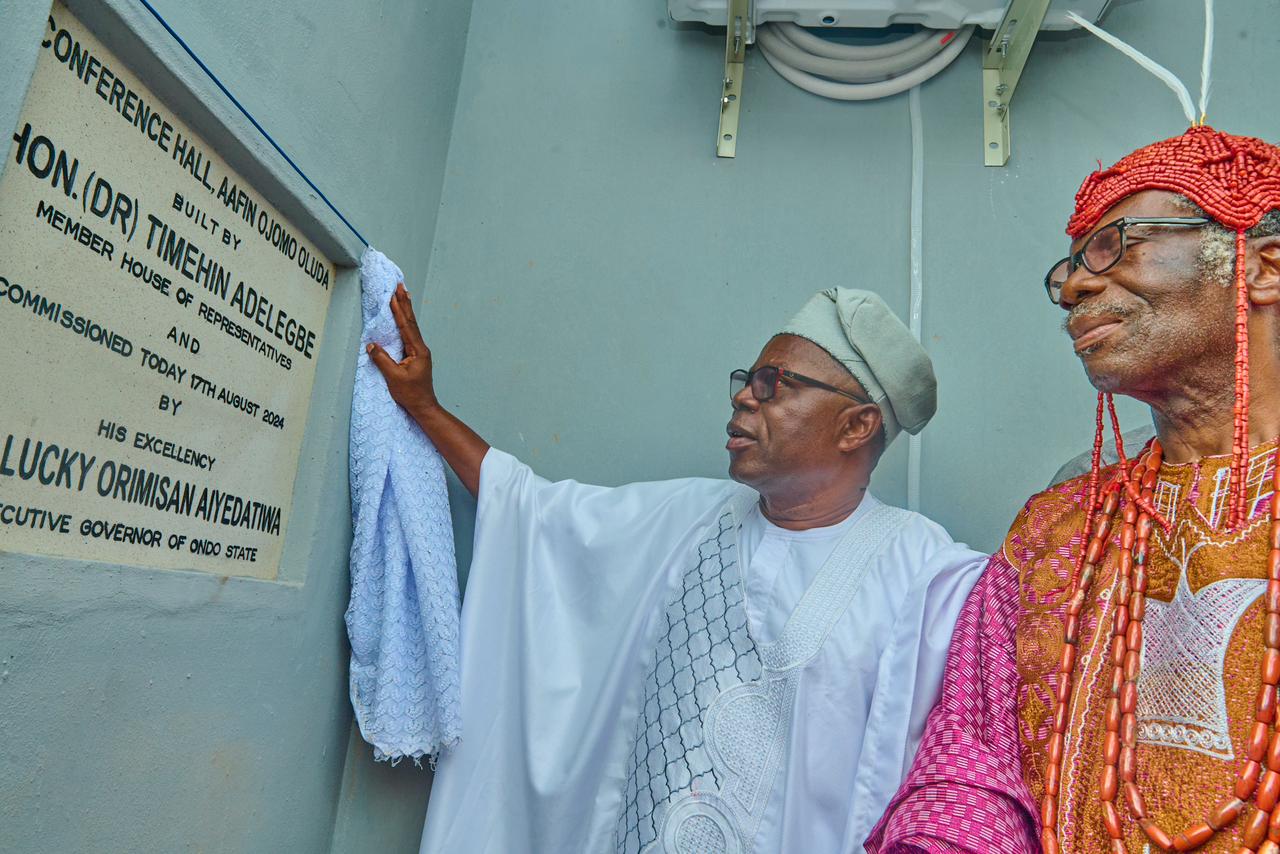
(1234, 179)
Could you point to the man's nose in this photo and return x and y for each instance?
(1079, 286)
(745, 399)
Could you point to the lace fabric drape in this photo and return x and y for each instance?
(402, 620)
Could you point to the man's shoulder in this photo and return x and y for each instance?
(919, 528)
(928, 546)
(1049, 520)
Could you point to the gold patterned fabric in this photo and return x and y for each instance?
(1201, 656)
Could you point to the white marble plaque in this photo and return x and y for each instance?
(159, 329)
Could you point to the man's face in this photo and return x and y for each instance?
(792, 438)
(1150, 320)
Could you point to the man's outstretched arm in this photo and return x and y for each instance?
(411, 386)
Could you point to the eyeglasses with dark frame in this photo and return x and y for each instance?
(1105, 247)
(764, 382)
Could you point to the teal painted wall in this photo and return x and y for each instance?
(147, 711)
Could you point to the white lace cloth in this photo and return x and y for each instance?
(402, 620)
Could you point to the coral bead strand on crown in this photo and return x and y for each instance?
(1091, 493)
(1240, 440)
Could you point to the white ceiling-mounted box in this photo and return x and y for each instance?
(938, 14)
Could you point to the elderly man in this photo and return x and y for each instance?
(1112, 682)
(702, 665)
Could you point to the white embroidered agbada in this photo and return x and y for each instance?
(624, 690)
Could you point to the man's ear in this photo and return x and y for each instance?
(1263, 271)
(860, 424)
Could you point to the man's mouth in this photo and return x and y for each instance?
(1087, 331)
(738, 437)
(1094, 336)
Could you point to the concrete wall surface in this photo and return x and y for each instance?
(165, 711)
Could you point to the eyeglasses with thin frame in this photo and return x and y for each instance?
(1105, 247)
(764, 382)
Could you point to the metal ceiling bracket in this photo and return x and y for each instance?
(1002, 65)
(738, 35)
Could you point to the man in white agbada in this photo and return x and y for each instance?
(699, 665)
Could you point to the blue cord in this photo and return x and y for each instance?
(191, 53)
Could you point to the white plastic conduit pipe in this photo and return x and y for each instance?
(916, 306)
(905, 63)
(819, 46)
(780, 44)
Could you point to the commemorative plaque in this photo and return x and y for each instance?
(159, 328)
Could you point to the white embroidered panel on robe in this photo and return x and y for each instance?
(1181, 696)
(713, 732)
(703, 649)
(1182, 700)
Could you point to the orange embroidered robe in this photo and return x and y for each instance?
(1201, 655)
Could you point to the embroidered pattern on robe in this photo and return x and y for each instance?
(716, 701)
(1200, 662)
(703, 649)
(1182, 701)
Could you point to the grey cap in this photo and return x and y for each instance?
(860, 332)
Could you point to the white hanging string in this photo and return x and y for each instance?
(1208, 58)
(1170, 80)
